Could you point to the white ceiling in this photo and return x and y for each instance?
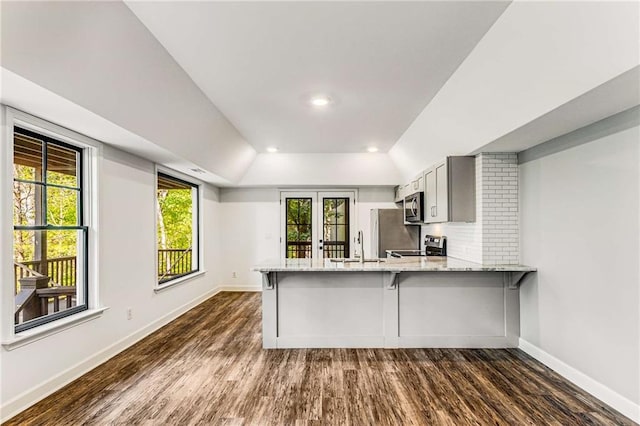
(259, 62)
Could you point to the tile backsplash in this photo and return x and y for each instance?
(500, 239)
(493, 237)
(464, 240)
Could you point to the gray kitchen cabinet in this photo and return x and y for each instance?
(402, 191)
(430, 193)
(417, 185)
(397, 195)
(450, 191)
(399, 192)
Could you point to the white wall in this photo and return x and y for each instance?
(251, 228)
(127, 278)
(579, 222)
(250, 233)
(321, 169)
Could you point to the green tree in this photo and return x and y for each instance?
(62, 209)
(299, 228)
(175, 230)
(24, 213)
(175, 218)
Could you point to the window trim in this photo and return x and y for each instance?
(92, 154)
(347, 226)
(198, 186)
(79, 226)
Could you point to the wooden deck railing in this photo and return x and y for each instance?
(298, 249)
(43, 287)
(60, 270)
(36, 298)
(172, 262)
(335, 249)
(330, 249)
(22, 271)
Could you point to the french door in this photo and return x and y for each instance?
(318, 224)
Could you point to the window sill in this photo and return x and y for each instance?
(161, 287)
(55, 327)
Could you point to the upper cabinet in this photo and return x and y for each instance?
(402, 191)
(450, 191)
(417, 185)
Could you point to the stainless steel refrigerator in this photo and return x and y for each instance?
(388, 232)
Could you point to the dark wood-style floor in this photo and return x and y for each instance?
(208, 367)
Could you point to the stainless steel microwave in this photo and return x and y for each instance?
(413, 208)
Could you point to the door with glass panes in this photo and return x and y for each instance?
(318, 224)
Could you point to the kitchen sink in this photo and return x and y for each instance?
(355, 260)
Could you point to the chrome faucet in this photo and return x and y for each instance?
(361, 244)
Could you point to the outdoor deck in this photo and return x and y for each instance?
(44, 287)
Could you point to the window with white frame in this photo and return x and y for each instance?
(177, 218)
(50, 232)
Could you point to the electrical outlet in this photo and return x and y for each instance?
(129, 313)
(234, 275)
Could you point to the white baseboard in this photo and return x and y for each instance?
(595, 388)
(41, 391)
(240, 288)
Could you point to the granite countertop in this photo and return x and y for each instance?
(406, 264)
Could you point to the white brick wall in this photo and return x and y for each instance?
(499, 199)
(493, 238)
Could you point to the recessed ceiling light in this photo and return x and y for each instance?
(372, 149)
(320, 101)
(272, 149)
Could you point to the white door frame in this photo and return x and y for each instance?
(353, 229)
(316, 218)
(283, 219)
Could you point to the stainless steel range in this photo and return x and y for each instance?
(404, 253)
(433, 246)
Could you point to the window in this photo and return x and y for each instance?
(299, 227)
(335, 227)
(50, 236)
(178, 227)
